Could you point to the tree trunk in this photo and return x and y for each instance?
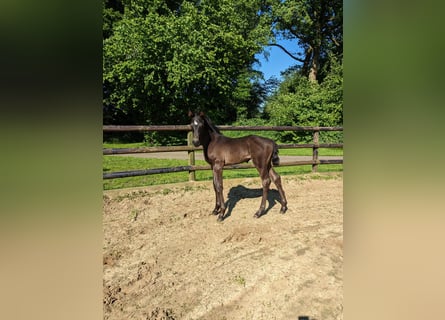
(314, 65)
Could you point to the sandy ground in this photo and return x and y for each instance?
(166, 257)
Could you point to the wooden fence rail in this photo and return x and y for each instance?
(110, 128)
(109, 151)
(191, 168)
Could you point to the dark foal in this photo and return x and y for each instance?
(220, 150)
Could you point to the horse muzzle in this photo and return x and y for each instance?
(196, 142)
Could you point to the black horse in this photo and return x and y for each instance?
(220, 150)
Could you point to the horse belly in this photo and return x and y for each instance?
(230, 151)
(237, 155)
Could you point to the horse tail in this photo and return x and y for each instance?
(275, 157)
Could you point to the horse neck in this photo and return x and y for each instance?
(208, 136)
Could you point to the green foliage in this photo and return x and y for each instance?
(250, 122)
(301, 102)
(112, 12)
(159, 138)
(248, 95)
(163, 58)
(317, 26)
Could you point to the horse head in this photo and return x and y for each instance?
(198, 125)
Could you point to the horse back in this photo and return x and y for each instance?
(243, 149)
(261, 147)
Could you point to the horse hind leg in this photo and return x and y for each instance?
(266, 185)
(277, 180)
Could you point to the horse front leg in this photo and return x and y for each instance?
(217, 200)
(220, 206)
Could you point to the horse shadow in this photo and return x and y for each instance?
(240, 192)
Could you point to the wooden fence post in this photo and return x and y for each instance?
(315, 151)
(192, 175)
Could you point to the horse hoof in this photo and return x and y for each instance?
(283, 210)
(220, 218)
(257, 215)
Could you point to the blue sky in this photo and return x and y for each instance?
(278, 60)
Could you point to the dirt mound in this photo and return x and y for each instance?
(166, 257)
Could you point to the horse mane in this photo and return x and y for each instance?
(210, 124)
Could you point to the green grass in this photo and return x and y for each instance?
(123, 163)
(284, 152)
(240, 280)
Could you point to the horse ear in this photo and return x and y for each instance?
(201, 114)
(190, 114)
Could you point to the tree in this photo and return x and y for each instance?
(165, 57)
(312, 91)
(301, 102)
(317, 25)
(250, 94)
(112, 11)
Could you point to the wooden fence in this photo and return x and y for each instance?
(191, 167)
